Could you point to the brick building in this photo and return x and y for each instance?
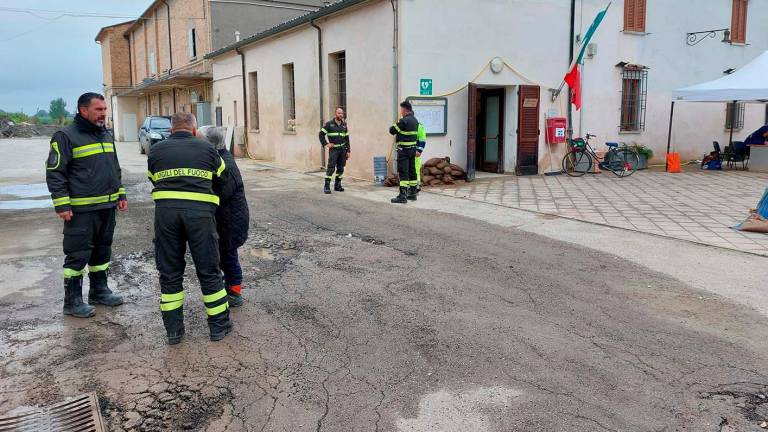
(156, 64)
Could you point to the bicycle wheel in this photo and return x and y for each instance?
(577, 163)
(623, 162)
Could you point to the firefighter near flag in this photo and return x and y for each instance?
(573, 77)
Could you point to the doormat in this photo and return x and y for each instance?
(77, 414)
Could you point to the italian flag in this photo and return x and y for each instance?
(573, 77)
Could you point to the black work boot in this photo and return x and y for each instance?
(337, 186)
(73, 299)
(327, 188)
(412, 193)
(173, 321)
(99, 292)
(402, 198)
(220, 326)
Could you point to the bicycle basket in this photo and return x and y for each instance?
(578, 143)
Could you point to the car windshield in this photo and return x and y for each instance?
(161, 123)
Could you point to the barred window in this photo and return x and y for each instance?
(289, 97)
(338, 75)
(634, 94)
(729, 111)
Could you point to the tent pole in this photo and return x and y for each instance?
(733, 123)
(669, 135)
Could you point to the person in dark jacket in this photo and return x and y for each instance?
(84, 178)
(185, 171)
(335, 137)
(406, 137)
(232, 217)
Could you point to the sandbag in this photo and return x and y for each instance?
(457, 174)
(435, 182)
(427, 178)
(447, 169)
(435, 171)
(442, 164)
(433, 162)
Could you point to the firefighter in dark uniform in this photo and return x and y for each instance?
(335, 137)
(84, 178)
(184, 170)
(406, 131)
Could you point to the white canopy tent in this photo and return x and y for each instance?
(747, 84)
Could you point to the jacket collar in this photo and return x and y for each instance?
(86, 126)
(181, 134)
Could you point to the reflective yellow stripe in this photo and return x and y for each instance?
(323, 130)
(218, 309)
(94, 200)
(69, 273)
(60, 201)
(121, 191)
(405, 183)
(215, 296)
(181, 172)
(172, 297)
(221, 168)
(98, 268)
(166, 307)
(400, 131)
(92, 149)
(338, 134)
(190, 196)
(407, 144)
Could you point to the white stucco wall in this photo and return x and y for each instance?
(521, 32)
(365, 34)
(673, 64)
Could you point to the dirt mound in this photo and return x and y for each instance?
(9, 129)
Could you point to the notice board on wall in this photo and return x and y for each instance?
(432, 113)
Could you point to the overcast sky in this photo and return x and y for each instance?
(45, 55)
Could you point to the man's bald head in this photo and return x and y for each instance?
(184, 121)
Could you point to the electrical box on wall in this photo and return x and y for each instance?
(556, 130)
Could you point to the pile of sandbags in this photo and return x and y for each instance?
(392, 180)
(440, 171)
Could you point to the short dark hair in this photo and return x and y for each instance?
(85, 99)
(407, 105)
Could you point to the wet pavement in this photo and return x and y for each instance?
(365, 316)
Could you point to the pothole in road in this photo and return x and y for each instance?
(753, 404)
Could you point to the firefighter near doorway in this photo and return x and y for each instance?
(406, 138)
(334, 136)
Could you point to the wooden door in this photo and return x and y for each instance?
(528, 130)
(472, 131)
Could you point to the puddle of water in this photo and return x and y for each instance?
(25, 204)
(33, 190)
(23, 278)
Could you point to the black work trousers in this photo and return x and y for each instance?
(337, 160)
(406, 166)
(88, 241)
(175, 228)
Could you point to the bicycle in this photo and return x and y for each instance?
(621, 161)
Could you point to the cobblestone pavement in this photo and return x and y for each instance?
(696, 206)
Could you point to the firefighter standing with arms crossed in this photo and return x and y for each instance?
(406, 131)
(335, 137)
(84, 178)
(184, 170)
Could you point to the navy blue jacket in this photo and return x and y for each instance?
(232, 217)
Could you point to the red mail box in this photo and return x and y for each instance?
(556, 130)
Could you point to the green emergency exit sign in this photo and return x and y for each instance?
(425, 87)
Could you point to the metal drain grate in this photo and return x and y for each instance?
(78, 414)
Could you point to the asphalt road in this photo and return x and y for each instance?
(365, 316)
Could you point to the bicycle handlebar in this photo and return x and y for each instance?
(591, 136)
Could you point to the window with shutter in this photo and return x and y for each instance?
(634, 16)
(739, 21)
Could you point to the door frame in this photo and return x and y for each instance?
(481, 164)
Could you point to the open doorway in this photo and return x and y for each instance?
(490, 131)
